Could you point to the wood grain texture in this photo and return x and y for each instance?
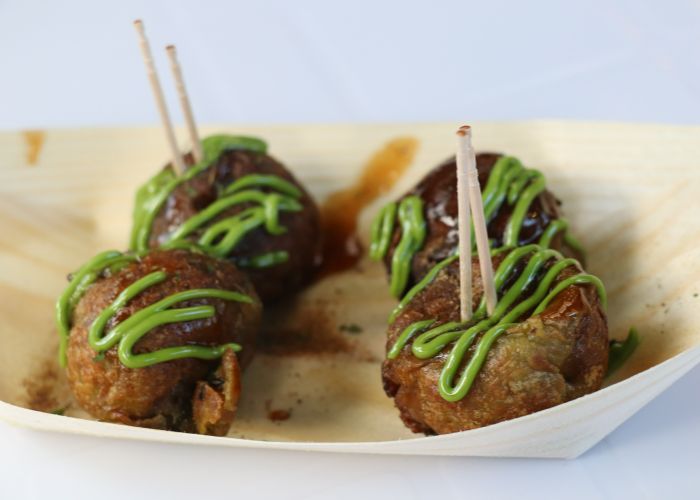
(632, 193)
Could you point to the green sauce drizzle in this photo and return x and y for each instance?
(620, 351)
(427, 279)
(410, 215)
(560, 226)
(429, 342)
(264, 260)
(382, 231)
(406, 335)
(131, 330)
(222, 237)
(509, 182)
(80, 281)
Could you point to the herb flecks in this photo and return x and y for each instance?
(352, 328)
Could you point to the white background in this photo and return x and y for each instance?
(77, 63)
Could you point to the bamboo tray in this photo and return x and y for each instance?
(630, 191)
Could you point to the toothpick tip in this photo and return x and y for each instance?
(170, 48)
(138, 22)
(464, 130)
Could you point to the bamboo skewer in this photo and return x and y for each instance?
(178, 162)
(466, 151)
(185, 103)
(463, 219)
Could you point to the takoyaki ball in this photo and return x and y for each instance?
(438, 191)
(301, 239)
(542, 361)
(188, 394)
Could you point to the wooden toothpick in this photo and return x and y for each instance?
(178, 162)
(477, 208)
(464, 233)
(185, 103)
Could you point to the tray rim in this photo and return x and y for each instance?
(37, 420)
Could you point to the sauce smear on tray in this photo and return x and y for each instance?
(35, 141)
(342, 248)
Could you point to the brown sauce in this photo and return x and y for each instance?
(342, 248)
(279, 415)
(302, 330)
(276, 415)
(41, 388)
(35, 141)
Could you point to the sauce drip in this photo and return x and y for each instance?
(339, 213)
(412, 222)
(35, 141)
(429, 341)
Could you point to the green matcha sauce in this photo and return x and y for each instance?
(222, 236)
(621, 350)
(509, 182)
(127, 333)
(410, 215)
(427, 341)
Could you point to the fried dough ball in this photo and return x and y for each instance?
(438, 191)
(542, 361)
(188, 394)
(301, 240)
